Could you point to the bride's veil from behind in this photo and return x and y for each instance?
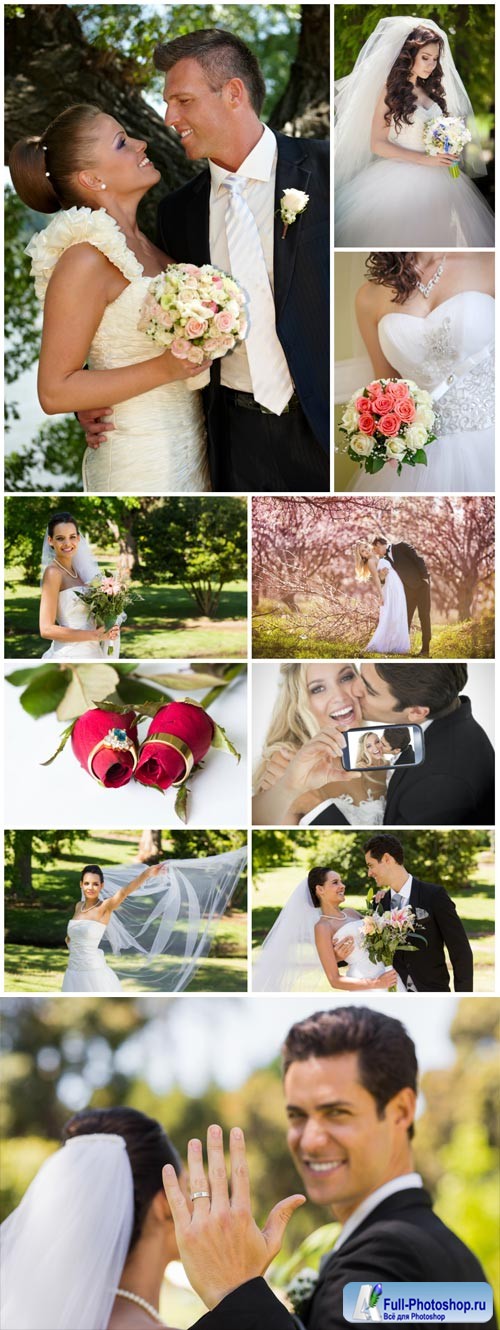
(162, 930)
(64, 1248)
(289, 960)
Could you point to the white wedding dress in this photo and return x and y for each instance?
(450, 350)
(396, 205)
(72, 613)
(158, 444)
(391, 634)
(368, 813)
(87, 970)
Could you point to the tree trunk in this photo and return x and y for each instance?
(304, 109)
(22, 871)
(149, 851)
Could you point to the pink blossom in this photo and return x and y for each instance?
(363, 404)
(180, 347)
(400, 390)
(388, 425)
(195, 328)
(405, 409)
(366, 423)
(224, 321)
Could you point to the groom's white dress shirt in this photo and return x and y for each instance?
(404, 891)
(259, 172)
(403, 1183)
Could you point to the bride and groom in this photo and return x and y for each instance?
(315, 931)
(350, 1065)
(401, 580)
(267, 405)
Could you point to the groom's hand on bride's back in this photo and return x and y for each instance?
(220, 1245)
(96, 424)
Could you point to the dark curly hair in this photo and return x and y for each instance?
(395, 269)
(400, 97)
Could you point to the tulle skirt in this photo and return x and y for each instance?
(394, 205)
(94, 978)
(461, 463)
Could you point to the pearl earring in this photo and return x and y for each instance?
(103, 186)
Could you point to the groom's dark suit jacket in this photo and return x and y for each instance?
(402, 1240)
(442, 928)
(410, 566)
(301, 273)
(406, 757)
(453, 786)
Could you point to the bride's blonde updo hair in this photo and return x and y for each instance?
(43, 169)
(292, 722)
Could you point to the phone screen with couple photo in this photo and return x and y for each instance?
(383, 747)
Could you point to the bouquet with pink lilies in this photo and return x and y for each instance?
(198, 313)
(386, 932)
(106, 598)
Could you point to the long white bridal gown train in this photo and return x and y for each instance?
(396, 205)
(158, 444)
(87, 970)
(72, 613)
(391, 634)
(449, 351)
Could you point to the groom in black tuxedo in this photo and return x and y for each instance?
(350, 1081)
(412, 570)
(397, 742)
(455, 784)
(262, 436)
(438, 924)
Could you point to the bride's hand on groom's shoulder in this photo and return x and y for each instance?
(220, 1245)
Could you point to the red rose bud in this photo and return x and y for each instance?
(161, 763)
(106, 744)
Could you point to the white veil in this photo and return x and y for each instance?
(163, 929)
(64, 1248)
(356, 96)
(289, 960)
(83, 562)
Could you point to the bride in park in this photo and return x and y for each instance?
(92, 268)
(300, 769)
(430, 317)
(301, 951)
(388, 190)
(391, 636)
(67, 568)
(159, 921)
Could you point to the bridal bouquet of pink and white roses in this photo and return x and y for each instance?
(198, 313)
(106, 598)
(382, 935)
(390, 420)
(448, 134)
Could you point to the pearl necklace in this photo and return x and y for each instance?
(426, 287)
(65, 570)
(141, 1302)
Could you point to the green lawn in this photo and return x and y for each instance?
(282, 634)
(35, 953)
(475, 905)
(165, 623)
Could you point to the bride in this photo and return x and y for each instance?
(68, 567)
(431, 318)
(299, 952)
(388, 191)
(159, 921)
(300, 770)
(92, 267)
(391, 635)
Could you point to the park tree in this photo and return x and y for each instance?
(200, 545)
(432, 854)
(24, 850)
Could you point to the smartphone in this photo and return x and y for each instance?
(382, 747)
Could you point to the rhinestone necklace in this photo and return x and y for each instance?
(426, 287)
(141, 1302)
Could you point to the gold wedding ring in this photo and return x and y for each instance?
(171, 741)
(116, 740)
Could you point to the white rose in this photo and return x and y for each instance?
(362, 444)
(294, 201)
(395, 447)
(424, 416)
(415, 437)
(350, 417)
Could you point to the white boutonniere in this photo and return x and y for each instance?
(299, 1292)
(294, 202)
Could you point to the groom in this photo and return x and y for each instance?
(397, 747)
(438, 924)
(412, 570)
(350, 1082)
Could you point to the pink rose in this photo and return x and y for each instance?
(389, 424)
(366, 424)
(374, 388)
(190, 268)
(195, 327)
(405, 409)
(363, 404)
(400, 390)
(217, 281)
(180, 348)
(224, 321)
(382, 403)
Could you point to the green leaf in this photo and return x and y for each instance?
(90, 685)
(24, 676)
(181, 802)
(64, 739)
(220, 740)
(135, 691)
(45, 692)
(187, 679)
(421, 456)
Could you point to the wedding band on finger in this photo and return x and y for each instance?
(195, 1195)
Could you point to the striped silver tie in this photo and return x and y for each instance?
(271, 382)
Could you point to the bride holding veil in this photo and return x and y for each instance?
(299, 953)
(67, 568)
(159, 922)
(388, 190)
